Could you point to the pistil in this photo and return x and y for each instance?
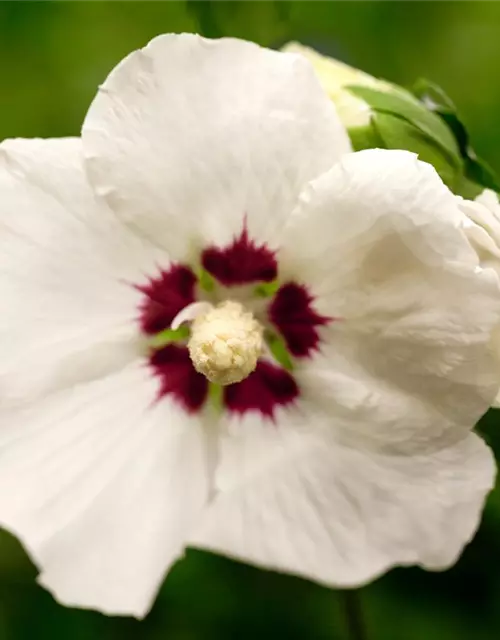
(225, 343)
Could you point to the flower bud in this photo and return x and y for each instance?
(379, 114)
(336, 77)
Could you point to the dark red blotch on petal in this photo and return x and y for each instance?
(242, 262)
(173, 366)
(165, 296)
(266, 389)
(292, 313)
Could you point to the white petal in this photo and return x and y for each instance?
(487, 219)
(397, 392)
(91, 468)
(489, 199)
(188, 136)
(392, 263)
(66, 272)
(375, 465)
(102, 486)
(297, 499)
(482, 227)
(367, 197)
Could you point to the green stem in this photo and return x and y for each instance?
(353, 612)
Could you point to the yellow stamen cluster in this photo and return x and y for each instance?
(225, 343)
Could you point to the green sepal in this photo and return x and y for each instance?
(205, 280)
(468, 189)
(480, 172)
(167, 336)
(365, 137)
(278, 348)
(404, 106)
(476, 171)
(266, 289)
(400, 134)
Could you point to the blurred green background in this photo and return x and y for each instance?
(52, 57)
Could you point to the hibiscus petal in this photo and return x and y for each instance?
(178, 378)
(241, 262)
(292, 312)
(102, 485)
(416, 313)
(68, 266)
(490, 200)
(165, 296)
(298, 500)
(482, 227)
(265, 390)
(189, 137)
(90, 464)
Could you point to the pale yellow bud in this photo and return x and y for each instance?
(334, 77)
(225, 343)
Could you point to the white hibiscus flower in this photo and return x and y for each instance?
(212, 217)
(482, 226)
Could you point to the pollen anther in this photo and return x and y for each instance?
(225, 343)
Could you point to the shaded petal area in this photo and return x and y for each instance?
(165, 296)
(295, 499)
(265, 390)
(291, 311)
(90, 465)
(68, 310)
(188, 135)
(482, 227)
(242, 262)
(412, 355)
(178, 378)
(102, 485)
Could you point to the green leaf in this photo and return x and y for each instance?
(400, 134)
(399, 105)
(476, 170)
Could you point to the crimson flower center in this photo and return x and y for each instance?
(250, 356)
